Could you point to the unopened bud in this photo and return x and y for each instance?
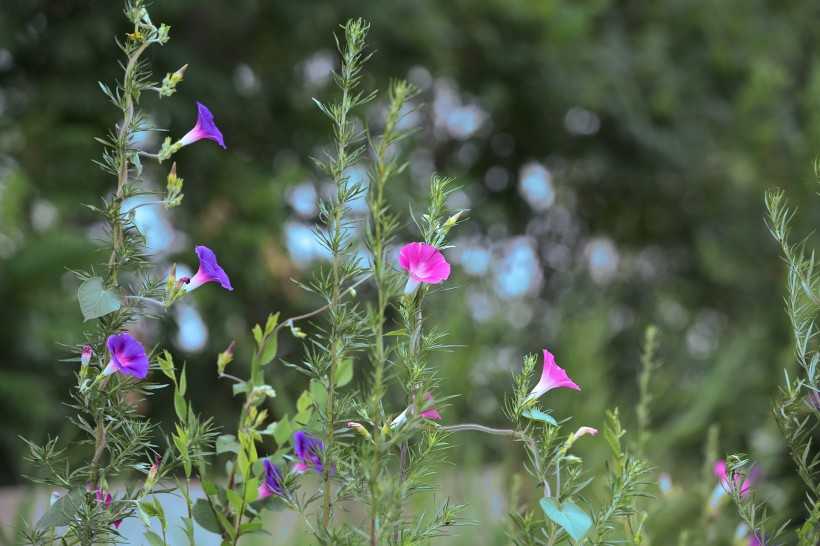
(86, 358)
(452, 220)
(55, 496)
(585, 430)
(359, 428)
(225, 358)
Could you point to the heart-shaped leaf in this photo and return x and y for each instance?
(569, 516)
(96, 300)
(536, 415)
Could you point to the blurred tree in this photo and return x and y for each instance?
(613, 157)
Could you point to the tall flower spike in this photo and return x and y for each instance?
(204, 128)
(127, 356)
(272, 485)
(424, 263)
(209, 270)
(552, 377)
(309, 450)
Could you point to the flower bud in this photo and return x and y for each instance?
(225, 358)
(359, 428)
(86, 358)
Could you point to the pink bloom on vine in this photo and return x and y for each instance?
(552, 376)
(86, 357)
(127, 356)
(430, 413)
(99, 494)
(272, 485)
(309, 450)
(204, 128)
(424, 263)
(209, 270)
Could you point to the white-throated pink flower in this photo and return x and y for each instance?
(424, 263)
(429, 413)
(209, 271)
(204, 128)
(127, 356)
(552, 376)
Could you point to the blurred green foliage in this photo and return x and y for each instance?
(659, 126)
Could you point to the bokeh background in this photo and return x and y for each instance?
(612, 155)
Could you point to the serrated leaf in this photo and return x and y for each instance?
(345, 372)
(536, 415)
(96, 300)
(154, 539)
(569, 516)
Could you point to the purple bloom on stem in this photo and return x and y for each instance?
(127, 356)
(424, 263)
(209, 270)
(204, 128)
(552, 376)
(87, 352)
(309, 450)
(273, 481)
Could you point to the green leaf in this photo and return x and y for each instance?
(317, 390)
(304, 402)
(282, 431)
(180, 407)
(154, 539)
(204, 516)
(239, 388)
(345, 372)
(209, 487)
(62, 512)
(536, 415)
(149, 509)
(396, 333)
(227, 443)
(273, 320)
(96, 300)
(257, 335)
(251, 490)
(569, 516)
(269, 351)
(183, 382)
(235, 500)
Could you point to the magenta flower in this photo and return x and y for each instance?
(209, 270)
(430, 413)
(86, 357)
(309, 450)
(552, 376)
(273, 481)
(424, 263)
(127, 356)
(204, 128)
(106, 503)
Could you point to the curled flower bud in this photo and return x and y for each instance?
(86, 358)
(225, 358)
(359, 428)
(55, 496)
(585, 430)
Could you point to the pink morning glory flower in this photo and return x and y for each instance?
(86, 357)
(106, 503)
(273, 481)
(552, 376)
(209, 270)
(424, 263)
(430, 413)
(127, 356)
(204, 128)
(309, 450)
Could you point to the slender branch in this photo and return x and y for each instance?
(320, 309)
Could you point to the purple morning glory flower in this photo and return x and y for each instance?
(127, 356)
(309, 450)
(273, 481)
(204, 128)
(209, 270)
(86, 357)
